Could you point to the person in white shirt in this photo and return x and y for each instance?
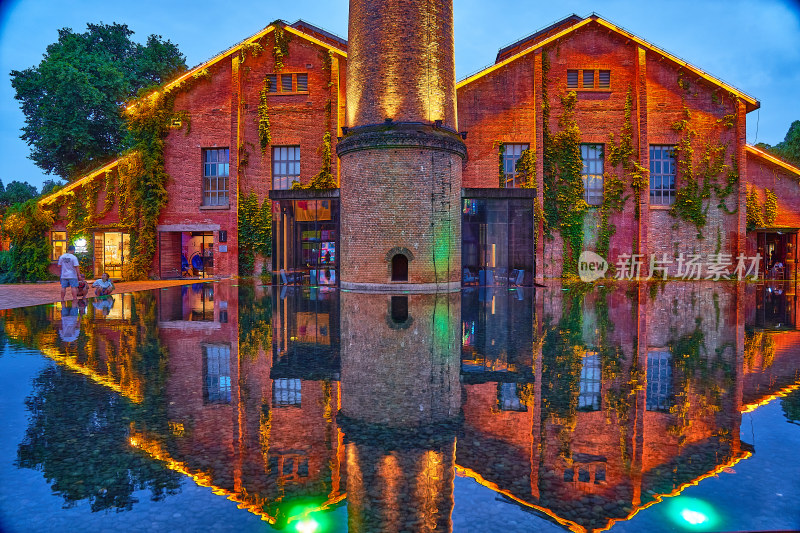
(103, 286)
(70, 273)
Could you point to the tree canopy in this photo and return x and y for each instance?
(72, 100)
(789, 149)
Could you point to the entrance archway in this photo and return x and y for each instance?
(399, 267)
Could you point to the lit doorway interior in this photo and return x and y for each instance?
(778, 250)
(112, 251)
(197, 254)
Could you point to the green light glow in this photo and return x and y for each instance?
(693, 514)
(307, 525)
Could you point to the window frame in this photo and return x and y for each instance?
(580, 83)
(276, 86)
(661, 175)
(286, 176)
(53, 240)
(511, 177)
(207, 191)
(586, 174)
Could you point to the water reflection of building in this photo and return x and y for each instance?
(585, 405)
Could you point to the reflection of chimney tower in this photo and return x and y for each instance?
(401, 160)
(400, 408)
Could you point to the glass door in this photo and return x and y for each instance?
(116, 253)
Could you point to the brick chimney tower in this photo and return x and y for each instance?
(401, 155)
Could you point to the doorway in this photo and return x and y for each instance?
(399, 268)
(778, 250)
(112, 252)
(186, 254)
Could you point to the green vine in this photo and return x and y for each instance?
(526, 168)
(255, 231)
(770, 207)
(564, 203)
(264, 135)
(501, 174)
(282, 39)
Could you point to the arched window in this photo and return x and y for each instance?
(399, 267)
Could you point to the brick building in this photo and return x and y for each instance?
(637, 111)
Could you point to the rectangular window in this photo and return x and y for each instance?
(285, 166)
(215, 176)
(272, 83)
(217, 373)
(510, 157)
(286, 83)
(604, 79)
(589, 399)
(659, 381)
(286, 392)
(290, 83)
(572, 79)
(58, 239)
(662, 175)
(302, 83)
(588, 79)
(592, 173)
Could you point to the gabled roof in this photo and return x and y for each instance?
(549, 37)
(527, 42)
(300, 28)
(774, 160)
(50, 198)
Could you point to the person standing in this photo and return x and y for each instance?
(70, 273)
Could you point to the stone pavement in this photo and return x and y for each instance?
(25, 294)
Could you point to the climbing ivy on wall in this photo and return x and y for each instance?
(282, 38)
(264, 134)
(564, 204)
(255, 231)
(501, 174)
(697, 181)
(761, 215)
(26, 225)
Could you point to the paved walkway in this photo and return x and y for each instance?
(25, 294)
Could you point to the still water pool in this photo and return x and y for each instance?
(234, 406)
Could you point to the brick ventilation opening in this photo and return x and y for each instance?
(399, 268)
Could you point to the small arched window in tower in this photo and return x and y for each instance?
(399, 309)
(399, 268)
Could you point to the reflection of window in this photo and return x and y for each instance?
(659, 381)
(589, 399)
(286, 392)
(399, 307)
(285, 166)
(216, 373)
(215, 176)
(509, 398)
(59, 241)
(510, 156)
(592, 173)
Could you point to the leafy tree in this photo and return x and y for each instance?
(26, 224)
(50, 186)
(789, 149)
(17, 192)
(73, 98)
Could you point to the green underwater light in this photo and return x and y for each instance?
(306, 525)
(693, 514)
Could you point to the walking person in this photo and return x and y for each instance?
(70, 273)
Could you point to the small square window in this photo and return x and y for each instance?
(604, 79)
(302, 83)
(588, 79)
(572, 79)
(272, 83)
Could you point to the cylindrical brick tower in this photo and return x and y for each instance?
(401, 156)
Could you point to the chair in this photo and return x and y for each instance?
(312, 277)
(517, 277)
(468, 278)
(289, 278)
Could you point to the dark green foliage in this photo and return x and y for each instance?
(73, 98)
(255, 231)
(16, 192)
(26, 225)
(789, 149)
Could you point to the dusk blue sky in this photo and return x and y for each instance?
(752, 45)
